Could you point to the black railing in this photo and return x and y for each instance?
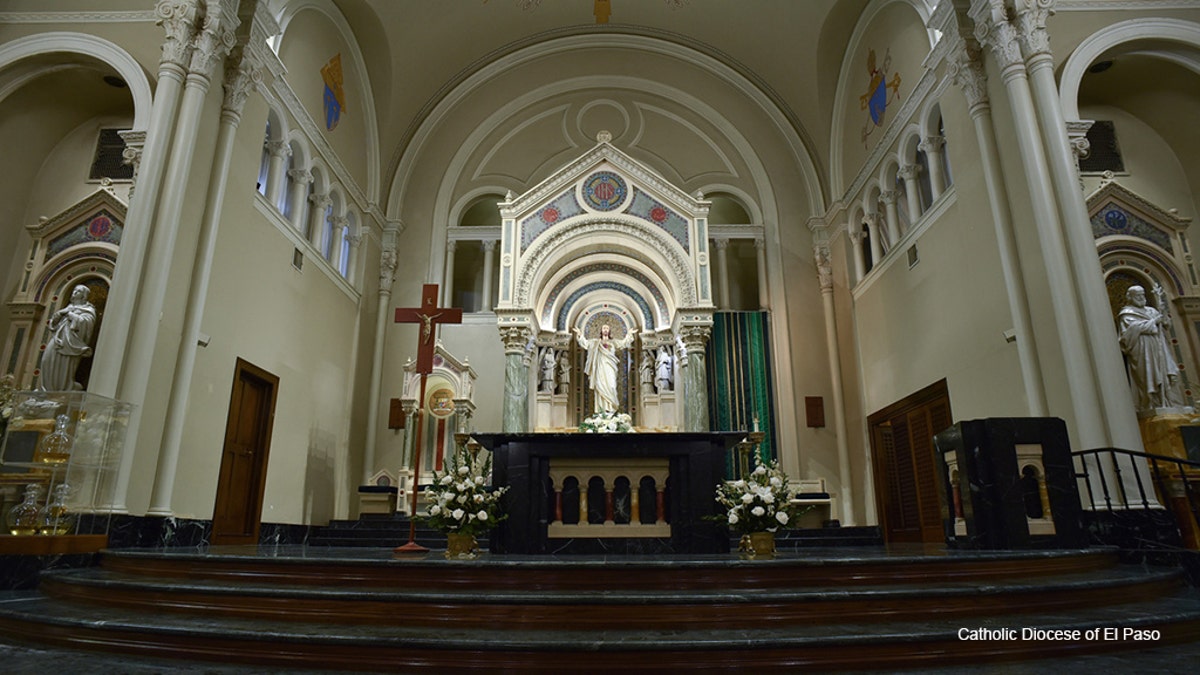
(1174, 480)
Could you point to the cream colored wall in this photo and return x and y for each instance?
(310, 42)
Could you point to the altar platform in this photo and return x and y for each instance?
(368, 609)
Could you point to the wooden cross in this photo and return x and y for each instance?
(430, 316)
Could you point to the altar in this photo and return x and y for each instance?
(609, 487)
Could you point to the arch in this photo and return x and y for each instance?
(1156, 29)
(370, 124)
(89, 45)
(924, 10)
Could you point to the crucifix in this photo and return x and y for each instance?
(430, 316)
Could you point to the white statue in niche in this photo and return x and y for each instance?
(564, 373)
(70, 331)
(548, 365)
(1144, 341)
(646, 372)
(664, 370)
(601, 366)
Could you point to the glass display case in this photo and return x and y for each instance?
(59, 462)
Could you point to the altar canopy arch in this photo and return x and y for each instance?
(605, 239)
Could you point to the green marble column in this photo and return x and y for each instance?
(695, 377)
(516, 379)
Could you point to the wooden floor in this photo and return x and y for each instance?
(836, 608)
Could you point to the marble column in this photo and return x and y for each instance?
(301, 179)
(340, 223)
(872, 221)
(998, 35)
(318, 214)
(966, 70)
(489, 264)
(447, 289)
(845, 478)
(516, 378)
(722, 272)
(933, 146)
(892, 214)
(912, 190)
(856, 250)
(239, 79)
(760, 259)
(1115, 398)
(178, 20)
(695, 377)
(383, 316)
(210, 46)
(279, 152)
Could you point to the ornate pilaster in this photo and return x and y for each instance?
(387, 265)
(824, 265)
(760, 258)
(135, 143)
(1081, 147)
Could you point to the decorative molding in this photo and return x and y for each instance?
(1122, 5)
(136, 16)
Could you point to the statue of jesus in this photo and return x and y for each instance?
(601, 366)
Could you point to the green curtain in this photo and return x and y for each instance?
(739, 379)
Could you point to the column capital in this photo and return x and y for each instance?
(135, 142)
(694, 338)
(300, 176)
(760, 244)
(889, 196)
(824, 265)
(451, 244)
(1031, 27)
(871, 220)
(856, 236)
(721, 243)
(909, 172)
(339, 222)
(1077, 133)
(242, 75)
(488, 245)
(215, 39)
(994, 31)
(278, 148)
(320, 201)
(932, 145)
(178, 19)
(515, 339)
(354, 239)
(966, 71)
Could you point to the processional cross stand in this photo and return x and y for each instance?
(430, 316)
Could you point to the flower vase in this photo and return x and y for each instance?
(461, 546)
(760, 545)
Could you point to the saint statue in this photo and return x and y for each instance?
(70, 331)
(601, 366)
(646, 373)
(663, 370)
(548, 366)
(564, 373)
(1144, 341)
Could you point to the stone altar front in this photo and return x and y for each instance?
(695, 463)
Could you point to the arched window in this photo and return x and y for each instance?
(348, 232)
(264, 163)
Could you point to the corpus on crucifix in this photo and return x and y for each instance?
(429, 316)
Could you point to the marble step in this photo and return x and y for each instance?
(645, 608)
(748, 644)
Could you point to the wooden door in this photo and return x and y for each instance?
(906, 469)
(238, 511)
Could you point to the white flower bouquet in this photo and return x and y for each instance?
(759, 503)
(607, 423)
(461, 500)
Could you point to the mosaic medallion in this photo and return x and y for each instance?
(604, 191)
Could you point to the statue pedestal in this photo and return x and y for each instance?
(1160, 431)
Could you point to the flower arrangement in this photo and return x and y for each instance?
(607, 423)
(460, 498)
(759, 503)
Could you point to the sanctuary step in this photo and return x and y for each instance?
(824, 608)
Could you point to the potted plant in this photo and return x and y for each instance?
(757, 506)
(461, 502)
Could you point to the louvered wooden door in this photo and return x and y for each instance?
(905, 468)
